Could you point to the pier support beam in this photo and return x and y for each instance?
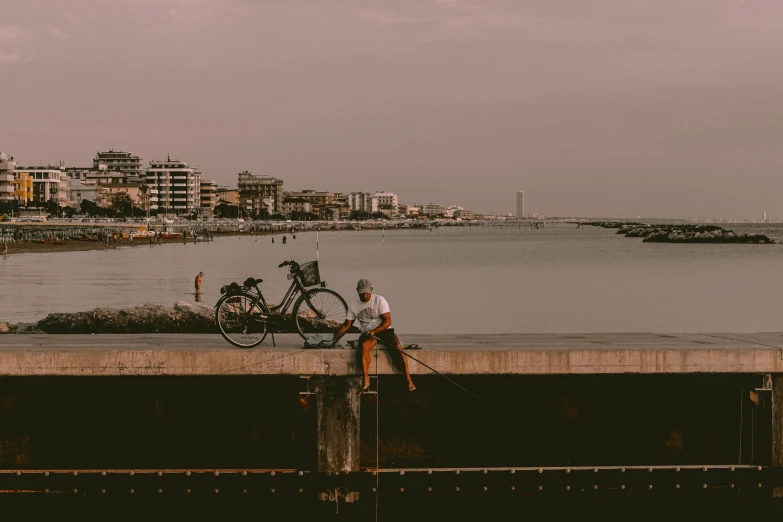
(777, 426)
(338, 405)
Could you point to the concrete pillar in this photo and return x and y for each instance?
(338, 406)
(777, 426)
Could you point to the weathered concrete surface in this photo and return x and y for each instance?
(509, 354)
(339, 441)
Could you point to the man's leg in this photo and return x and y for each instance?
(368, 343)
(396, 341)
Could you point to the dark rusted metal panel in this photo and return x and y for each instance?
(338, 402)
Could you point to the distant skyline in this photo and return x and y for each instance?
(605, 108)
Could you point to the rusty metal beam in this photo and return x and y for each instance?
(265, 482)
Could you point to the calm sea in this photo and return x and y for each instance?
(450, 280)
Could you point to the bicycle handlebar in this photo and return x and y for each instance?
(288, 263)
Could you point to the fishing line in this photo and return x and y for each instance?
(433, 370)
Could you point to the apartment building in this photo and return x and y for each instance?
(388, 203)
(319, 200)
(41, 184)
(299, 205)
(363, 202)
(209, 196)
(178, 186)
(433, 209)
(257, 193)
(118, 161)
(228, 195)
(7, 165)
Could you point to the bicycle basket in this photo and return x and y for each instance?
(310, 274)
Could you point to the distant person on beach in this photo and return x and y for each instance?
(284, 240)
(273, 239)
(294, 236)
(374, 320)
(5, 248)
(198, 282)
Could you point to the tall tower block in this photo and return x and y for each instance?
(520, 204)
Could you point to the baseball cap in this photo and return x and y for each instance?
(364, 286)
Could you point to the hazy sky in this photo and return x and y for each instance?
(600, 107)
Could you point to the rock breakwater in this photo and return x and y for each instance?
(681, 233)
(183, 317)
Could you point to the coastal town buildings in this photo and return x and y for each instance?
(110, 185)
(209, 196)
(388, 203)
(362, 202)
(260, 193)
(23, 188)
(79, 190)
(520, 204)
(451, 210)
(296, 205)
(7, 165)
(48, 183)
(409, 210)
(101, 186)
(318, 200)
(339, 209)
(338, 198)
(228, 195)
(118, 161)
(433, 209)
(178, 186)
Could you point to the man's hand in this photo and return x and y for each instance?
(342, 330)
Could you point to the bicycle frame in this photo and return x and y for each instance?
(289, 298)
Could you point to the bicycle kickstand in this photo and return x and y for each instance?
(273, 338)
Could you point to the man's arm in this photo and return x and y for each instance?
(343, 329)
(386, 322)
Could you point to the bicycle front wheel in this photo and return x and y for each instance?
(241, 321)
(319, 311)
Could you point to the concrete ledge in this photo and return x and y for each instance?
(504, 354)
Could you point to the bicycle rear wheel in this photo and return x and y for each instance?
(326, 314)
(241, 321)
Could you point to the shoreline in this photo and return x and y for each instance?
(77, 245)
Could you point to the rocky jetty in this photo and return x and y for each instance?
(683, 233)
(183, 317)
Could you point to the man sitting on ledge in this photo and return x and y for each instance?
(374, 317)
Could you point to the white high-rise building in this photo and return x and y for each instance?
(520, 204)
(7, 165)
(363, 202)
(178, 186)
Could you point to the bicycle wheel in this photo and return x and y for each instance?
(326, 315)
(241, 321)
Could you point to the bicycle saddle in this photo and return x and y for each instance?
(251, 281)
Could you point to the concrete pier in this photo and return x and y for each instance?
(598, 411)
(504, 354)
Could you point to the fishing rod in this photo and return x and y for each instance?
(433, 370)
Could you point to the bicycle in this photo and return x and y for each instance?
(244, 317)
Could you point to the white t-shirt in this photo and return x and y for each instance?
(367, 315)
